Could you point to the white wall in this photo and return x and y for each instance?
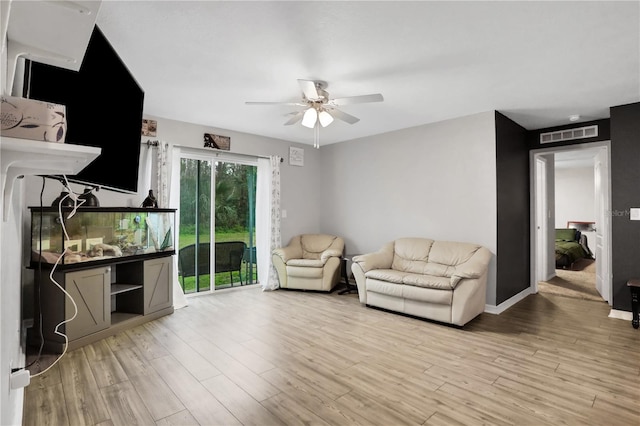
(11, 354)
(575, 198)
(575, 195)
(436, 181)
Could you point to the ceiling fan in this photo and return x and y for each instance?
(319, 108)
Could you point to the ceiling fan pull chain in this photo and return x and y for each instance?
(316, 136)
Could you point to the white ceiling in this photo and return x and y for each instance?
(536, 62)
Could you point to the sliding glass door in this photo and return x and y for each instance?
(194, 255)
(217, 224)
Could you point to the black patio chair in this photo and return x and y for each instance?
(229, 258)
(187, 261)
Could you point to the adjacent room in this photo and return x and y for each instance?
(320, 212)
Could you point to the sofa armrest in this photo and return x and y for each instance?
(331, 252)
(361, 281)
(336, 249)
(288, 252)
(380, 259)
(475, 267)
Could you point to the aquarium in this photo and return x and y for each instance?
(96, 234)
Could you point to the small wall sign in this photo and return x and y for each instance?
(296, 156)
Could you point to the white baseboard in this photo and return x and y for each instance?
(623, 315)
(497, 310)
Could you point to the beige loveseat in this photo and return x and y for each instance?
(309, 262)
(439, 280)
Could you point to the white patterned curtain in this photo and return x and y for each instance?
(145, 170)
(154, 161)
(154, 172)
(162, 174)
(268, 225)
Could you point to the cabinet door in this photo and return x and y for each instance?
(158, 284)
(90, 290)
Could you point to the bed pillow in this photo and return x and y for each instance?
(567, 234)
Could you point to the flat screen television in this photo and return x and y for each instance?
(104, 106)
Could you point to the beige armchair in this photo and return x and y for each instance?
(309, 262)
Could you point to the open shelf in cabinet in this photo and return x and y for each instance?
(127, 283)
(123, 288)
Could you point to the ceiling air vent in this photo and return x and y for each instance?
(569, 134)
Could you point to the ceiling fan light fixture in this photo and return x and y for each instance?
(325, 118)
(309, 118)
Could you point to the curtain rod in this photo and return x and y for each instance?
(217, 153)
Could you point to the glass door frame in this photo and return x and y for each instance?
(214, 157)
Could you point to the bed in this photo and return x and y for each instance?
(571, 245)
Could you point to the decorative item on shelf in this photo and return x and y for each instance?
(32, 119)
(150, 201)
(90, 199)
(66, 202)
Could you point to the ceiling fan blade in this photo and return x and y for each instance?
(340, 115)
(377, 97)
(297, 116)
(309, 89)
(276, 103)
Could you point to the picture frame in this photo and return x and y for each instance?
(217, 141)
(149, 127)
(296, 156)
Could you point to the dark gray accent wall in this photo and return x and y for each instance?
(512, 180)
(625, 194)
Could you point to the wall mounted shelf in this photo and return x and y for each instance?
(28, 26)
(21, 157)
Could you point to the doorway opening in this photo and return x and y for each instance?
(217, 239)
(570, 189)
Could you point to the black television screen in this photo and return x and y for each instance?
(104, 109)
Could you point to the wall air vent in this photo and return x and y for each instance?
(569, 134)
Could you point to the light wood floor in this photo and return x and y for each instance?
(247, 357)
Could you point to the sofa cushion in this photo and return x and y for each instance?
(314, 244)
(427, 281)
(384, 287)
(389, 275)
(411, 254)
(431, 295)
(304, 272)
(309, 263)
(419, 280)
(451, 253)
